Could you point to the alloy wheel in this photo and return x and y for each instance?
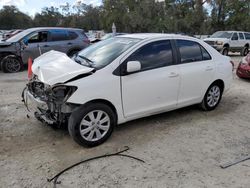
(213, 96)
(95, 125)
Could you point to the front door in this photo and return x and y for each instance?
(155, 87)
(37, 45)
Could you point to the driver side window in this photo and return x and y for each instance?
(38, 37)
(235, 36)
(153, 55)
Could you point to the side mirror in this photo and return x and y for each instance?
(133, 66)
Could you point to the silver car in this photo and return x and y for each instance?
(31, 43)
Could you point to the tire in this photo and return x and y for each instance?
(11, 64)
(72, 53)
(245, 51)
(225, 51)
(212, 97)
(86, 119)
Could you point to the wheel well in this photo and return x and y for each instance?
(226, 45)
(247, 45)
(220, 83)
(103, 101)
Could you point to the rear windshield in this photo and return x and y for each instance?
(104, 52)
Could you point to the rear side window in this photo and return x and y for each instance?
(241, 36)
(153, 55)
(59, 35)
(191, 51)
(247, 36)
(72, 35)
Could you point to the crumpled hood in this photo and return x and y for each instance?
(56, 67)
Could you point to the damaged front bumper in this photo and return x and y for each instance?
(48, 105)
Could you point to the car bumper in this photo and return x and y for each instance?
(243, 71)
(217, 47)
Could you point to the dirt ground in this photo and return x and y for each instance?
(183, 148)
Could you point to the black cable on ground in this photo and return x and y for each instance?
(55, 178)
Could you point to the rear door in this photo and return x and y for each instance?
(155, 87)
(59, 40)
(196, 71)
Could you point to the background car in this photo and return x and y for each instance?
(11, 33)
(31, 43)
(243, 70)
(234, 41)
(106, 36)
(125, 78)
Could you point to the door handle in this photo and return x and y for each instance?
(173, 74)
(69, 43)
(209, 68)
(46, 46)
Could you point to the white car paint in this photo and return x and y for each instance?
(141, 94)
(56, 67)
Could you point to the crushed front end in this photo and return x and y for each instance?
(49, 103)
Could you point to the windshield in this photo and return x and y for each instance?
(19, 36)
(222, 34)
(104, 52)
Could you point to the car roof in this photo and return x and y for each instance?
(152, 36)
(48, 28)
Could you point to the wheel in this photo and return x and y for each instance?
(72, 53)
(92, 124)
(245, 51)
(212, 97)
(225, 51)
(11, 64)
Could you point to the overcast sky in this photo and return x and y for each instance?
(32, 6)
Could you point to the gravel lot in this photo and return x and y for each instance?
(183, 148)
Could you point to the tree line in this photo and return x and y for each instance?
(130, 16)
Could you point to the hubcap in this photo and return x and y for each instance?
(95, 125)
(12, 65)
(213, 96)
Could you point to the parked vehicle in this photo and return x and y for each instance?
(243, 70)
(125, 78)
(234, 41)
(15, 51)
(106, 36)
(11, 34)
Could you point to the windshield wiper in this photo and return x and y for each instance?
(88, 60)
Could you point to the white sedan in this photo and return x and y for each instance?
(125, 78)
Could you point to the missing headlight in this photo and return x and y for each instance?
(62, 93)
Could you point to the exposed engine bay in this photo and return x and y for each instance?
(49, 102)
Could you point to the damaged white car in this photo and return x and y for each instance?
(125, 78)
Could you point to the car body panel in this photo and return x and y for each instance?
(53, 68)
(243, 70)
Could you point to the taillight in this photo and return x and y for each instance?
(86, 41)
(232, 65)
